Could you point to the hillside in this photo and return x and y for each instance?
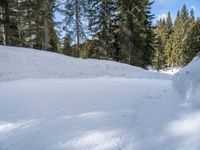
(22, 63)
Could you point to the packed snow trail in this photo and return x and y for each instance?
(93, 114)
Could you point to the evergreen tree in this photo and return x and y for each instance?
(8, 19)
(28, 23)
(174, 48)
(103, 24)
(176, 40)
(75, 20)
(149, 35)
(134, 20)
(163, 48)
(192, 17)
(169, 23)
(192, 42)
(67, 49)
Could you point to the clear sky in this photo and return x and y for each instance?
(161, 7)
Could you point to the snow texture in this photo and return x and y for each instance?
(187, 82)
(53, 102)
(22, 63)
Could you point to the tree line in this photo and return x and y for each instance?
(176, 42)
(119, 30)
(28, 23)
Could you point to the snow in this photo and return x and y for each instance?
(171, 71)
(187, 82)
(53, 102)
(22, 63)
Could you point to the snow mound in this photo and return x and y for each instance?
(23, 63)
(187, 82)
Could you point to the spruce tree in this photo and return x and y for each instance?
(192, 17)
(163, 33)
(192, 42)
(8, 19)
(134, 21)
(174, 48)
(149, 35)
(75, 20)
(103, 24)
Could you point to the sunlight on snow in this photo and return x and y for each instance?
(88, 115)
(6, 127)
(186, 126)
(96, 140)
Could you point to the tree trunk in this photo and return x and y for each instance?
(46, 26)
(19, 25)
(77, 28)
(2, 25)
(129, 48)
(46, 34)
(6, 19)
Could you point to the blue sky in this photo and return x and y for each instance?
(161, 7)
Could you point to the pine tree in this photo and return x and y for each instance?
(135, 28)
(9, 30)
(104, 26)
(174, 48)
(192, 42)
(176, 44)
(169, 24)
(192, 18)
(74, 22)
(2, 27)
(163, 48)
(67, 49)
(184, 25)
(158, 54)
(149, 35)
(37, 24)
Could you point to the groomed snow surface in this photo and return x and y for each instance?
(54, 102)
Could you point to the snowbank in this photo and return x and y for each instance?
(84, 112)
(22, 63)
(187, 82)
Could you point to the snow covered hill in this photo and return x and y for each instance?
(22, 63)
(187, 82)
(54, 102)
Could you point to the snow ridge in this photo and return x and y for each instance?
(23, 63)
(187, 82)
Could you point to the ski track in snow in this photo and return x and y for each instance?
(106, 114)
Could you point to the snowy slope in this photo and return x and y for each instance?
(21, 63)
(187, 82)
(84, 114)
(54, 102)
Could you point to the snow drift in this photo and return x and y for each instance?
(23, 63)
(187, 82)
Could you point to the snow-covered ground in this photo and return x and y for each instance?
(53, 102)
(21, 63)
(171, 71)
(187, 82)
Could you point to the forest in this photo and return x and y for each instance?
(99, 74)
(118, 30)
